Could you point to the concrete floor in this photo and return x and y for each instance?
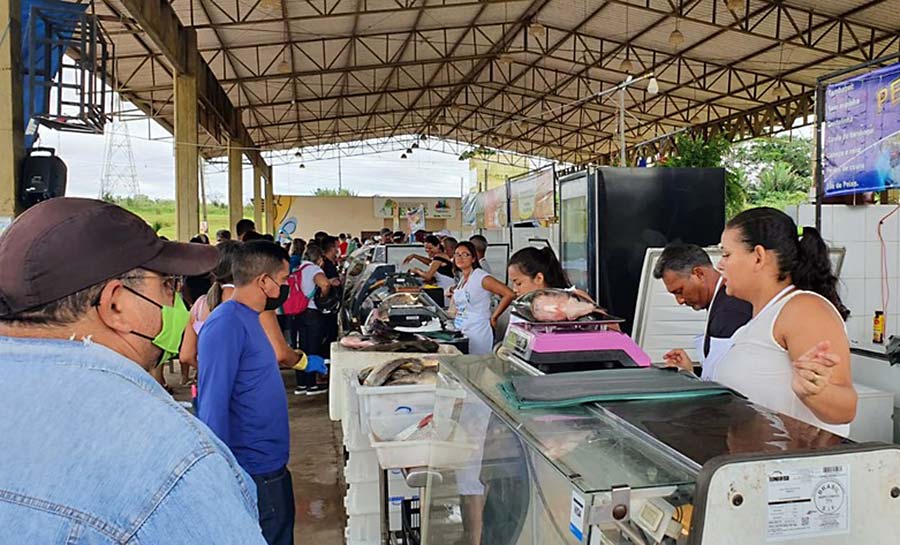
(316, 464)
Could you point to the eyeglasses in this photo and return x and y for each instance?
(172, 283)
(462, 255)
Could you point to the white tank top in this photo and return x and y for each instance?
(761, 369)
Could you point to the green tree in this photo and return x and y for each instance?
(330, 192)
(698, 152)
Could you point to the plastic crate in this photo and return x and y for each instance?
(365, 528)
(410, 514)
(428, 453)
(385, 411)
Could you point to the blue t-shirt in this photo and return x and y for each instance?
(241, 395)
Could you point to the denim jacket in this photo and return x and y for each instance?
(93, 451)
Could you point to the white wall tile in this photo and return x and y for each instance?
(891, 228)
(852, 290)
(827, 221)
(873, 259)
(873, 299)
(806, 215)
(892, 327)
(849, 223)
(894, 301)
(854, 265)
(855, 327)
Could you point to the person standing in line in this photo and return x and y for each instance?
(244, 226)
(222, 235)
(343, 246)
(93, 449)
(332, 273)
(311, 325)
(241, 393)
(689, 275)
(481, 245)
(472, 300)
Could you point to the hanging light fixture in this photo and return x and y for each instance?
(409, 151)
(536, 30)
(284, 67)
(302, 166)
(506, 58)
(676, 38)
(627, 66)
(653, 87)
(403, 156)
(298, 154)
(415, 145)
(735, 5)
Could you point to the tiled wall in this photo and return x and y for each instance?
(854, 227)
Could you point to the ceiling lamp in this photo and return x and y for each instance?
(676, 38)
(409, 151)
(415, 145)
(735, 5)
(302, 165)
(403, 156)
(537, 30)
(653, 87)
(423, 137)
(627, 66)
(506, 58)
(298, 154)
(284, 67)
(780, 91)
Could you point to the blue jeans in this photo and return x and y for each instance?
(275, 495)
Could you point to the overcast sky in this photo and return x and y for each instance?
(425, 173)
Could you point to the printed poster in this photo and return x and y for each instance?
(862, 133)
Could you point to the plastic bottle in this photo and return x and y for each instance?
(878, 327)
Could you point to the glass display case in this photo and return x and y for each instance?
(535, 466)
(659, 471)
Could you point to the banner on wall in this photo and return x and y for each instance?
(862, 133)
(495, 208)
(532, 197)
(286, 217)
(415, 220)
(434, 208)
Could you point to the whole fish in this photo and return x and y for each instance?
(381, 373)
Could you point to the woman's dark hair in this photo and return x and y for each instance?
(805, 259)
(313, 253)
(298, 246)
(532, 261)
(222, 274)
(433, 240)
(471, 247)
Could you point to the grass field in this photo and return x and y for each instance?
(160, 214)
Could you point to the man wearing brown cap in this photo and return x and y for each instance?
(93, 450)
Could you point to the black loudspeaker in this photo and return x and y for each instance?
(43, 176)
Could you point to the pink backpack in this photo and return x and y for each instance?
(297, 301)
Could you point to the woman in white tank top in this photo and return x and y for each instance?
(793, 356)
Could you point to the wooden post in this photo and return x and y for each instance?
(270, 202)
(257, 195)
(187, 152)
(12, 124)
(235, 184)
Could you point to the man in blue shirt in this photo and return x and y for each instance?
(241, 394)
(92, 449)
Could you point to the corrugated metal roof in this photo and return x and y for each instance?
(322, 71)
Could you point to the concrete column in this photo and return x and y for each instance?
(235, 184)
(187, 152)
(257, 196)
(12, 124)
(270, 202)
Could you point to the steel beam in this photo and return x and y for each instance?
(12, 123)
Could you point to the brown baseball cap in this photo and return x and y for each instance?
(61, 246)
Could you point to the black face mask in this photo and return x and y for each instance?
(283, 292)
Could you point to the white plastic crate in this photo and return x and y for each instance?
(439, 454)
(365, 528)
(363, 499)
(385, 411)
(362, 467)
